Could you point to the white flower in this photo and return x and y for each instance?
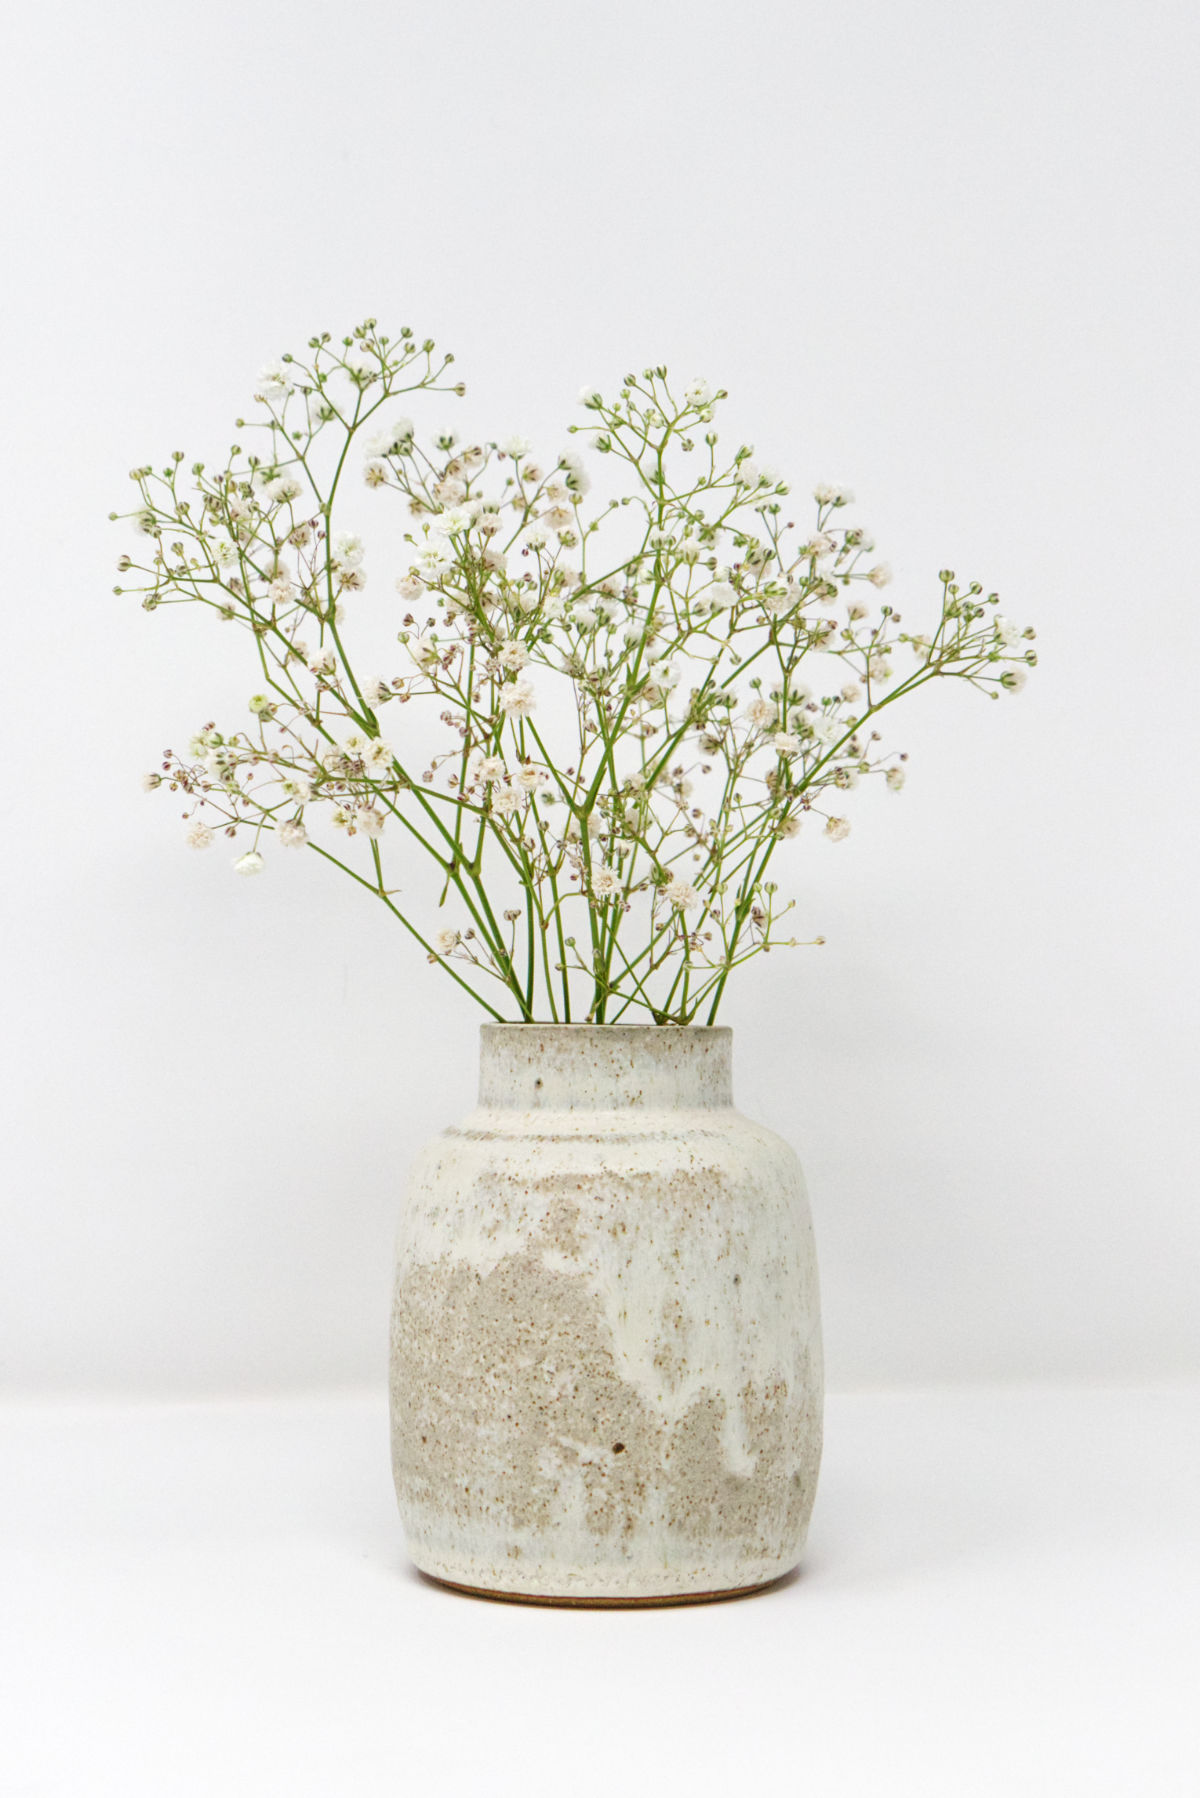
(604, 883)
(375, 472)
(1014, 679)
(698, 393)
(1008, 635)
(682, 896)
(506, 801)
(250, 863)
(199, 836)
(281, 592)
(284, 487)
(495, 558)
(298, 786)
(516, 446)
(393, 439)
(578, 479)
(785, 743)
(826, 729)
(517, 698)
(347, 551)
(531, 779)
(446, 941)
(456, 519)
(150, 782)
(274, 382)
(749, 474)
(789, 827)
(513, 655)
(760, 713)
(435, 558)
(895, 778)
(359, 361)
(376, 691)
(837, 829)
(720, 596)
(879, 668)
(664, 675)
(377, 756)
(423, 650)
(590, 396)
(880, 575)
(450, 490)
(536, 536)
(491, 769)
(410, 587)
(851, 692)
(323, 662)
(819, 545)
(292, 835)
(370, 821)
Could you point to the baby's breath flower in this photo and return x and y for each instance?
(284, 487)
(507, 800)
(274, 381)
(517, 699)
(682, 896)
(434, 559)
(150, 782)
(677, 732)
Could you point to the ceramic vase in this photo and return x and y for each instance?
(606, 1379)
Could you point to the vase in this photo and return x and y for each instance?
(606, 1372)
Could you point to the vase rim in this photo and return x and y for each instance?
(608, 1029)
(539, 1067)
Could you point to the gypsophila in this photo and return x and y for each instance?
(609, 716)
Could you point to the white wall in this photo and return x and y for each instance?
(944, 253)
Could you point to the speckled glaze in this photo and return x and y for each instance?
(606, 1374)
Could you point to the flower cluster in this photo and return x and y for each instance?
(635, 700)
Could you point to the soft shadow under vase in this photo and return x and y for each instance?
(606, 1380)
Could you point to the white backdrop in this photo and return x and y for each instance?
(944, 254)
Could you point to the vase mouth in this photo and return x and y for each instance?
(605, 1067)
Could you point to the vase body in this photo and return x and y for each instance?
(606, 1378)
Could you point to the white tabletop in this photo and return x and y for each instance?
(1001, 1596)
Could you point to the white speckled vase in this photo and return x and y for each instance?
(606, 1375)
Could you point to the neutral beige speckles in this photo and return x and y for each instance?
(606, 1361)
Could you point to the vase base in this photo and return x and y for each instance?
(606, 1603)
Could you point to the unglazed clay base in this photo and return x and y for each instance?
(610, 1604)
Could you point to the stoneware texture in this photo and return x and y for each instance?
(606, 1372)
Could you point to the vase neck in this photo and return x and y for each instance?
(604, 1067)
